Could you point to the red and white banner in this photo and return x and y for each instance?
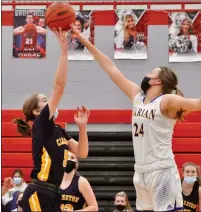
(184, 36)
(130, 40)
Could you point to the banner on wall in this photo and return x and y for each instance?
(84, 23)
(29, 33)
(130, 38)
(184, 36)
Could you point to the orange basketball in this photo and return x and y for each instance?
(29, 30)
(60, 14)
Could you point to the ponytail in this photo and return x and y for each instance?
(23, 127)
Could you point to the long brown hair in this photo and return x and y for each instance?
(197, 169)
(123, 194)
(126, 33)
(170, 81)
(22, 125)
(190, 27)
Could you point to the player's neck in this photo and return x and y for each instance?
(68, 176)
(152, 94)
(187, 186)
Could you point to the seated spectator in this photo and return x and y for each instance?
(121, 202)
(191, 189)
(19, 202)
(18, 184)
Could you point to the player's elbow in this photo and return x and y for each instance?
(93, 207)
(83, 154)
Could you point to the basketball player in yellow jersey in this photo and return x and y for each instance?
(156, 109)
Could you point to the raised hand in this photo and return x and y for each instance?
(81, 117)
(76, 33)
(62, 37)
(8, 182)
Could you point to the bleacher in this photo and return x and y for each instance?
(109, 167)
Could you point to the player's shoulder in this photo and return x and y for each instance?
(140, 94)
(170, 98)
(82, 184)
(83, 180)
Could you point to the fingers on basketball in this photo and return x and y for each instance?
(56, 32)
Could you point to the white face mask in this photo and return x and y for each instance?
(17, 180)
(56, 114)
(190, 180)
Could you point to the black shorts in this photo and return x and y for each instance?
(39, 198)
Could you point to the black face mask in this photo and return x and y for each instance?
(70, 166)
(20, 203)
(120, 207)
(145, 84)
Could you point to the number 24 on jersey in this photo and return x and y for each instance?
(138, 130)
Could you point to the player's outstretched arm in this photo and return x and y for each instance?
(178, 103)
(128, 87)
(61, 73)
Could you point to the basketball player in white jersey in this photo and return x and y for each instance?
(157, 105)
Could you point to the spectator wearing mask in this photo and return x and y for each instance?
(121, 202)
(18, 184)
(191, 189)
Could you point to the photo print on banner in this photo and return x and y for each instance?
(184, 36)
(84, 23)
(29, 33)
(130, 38)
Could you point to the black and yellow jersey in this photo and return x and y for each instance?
(49, 149)
(71, 198)
(191, 201)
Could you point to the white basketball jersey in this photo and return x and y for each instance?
(152, 135)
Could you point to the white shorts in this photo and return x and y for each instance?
(158, 190)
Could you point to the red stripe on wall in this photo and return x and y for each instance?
(96, 116)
